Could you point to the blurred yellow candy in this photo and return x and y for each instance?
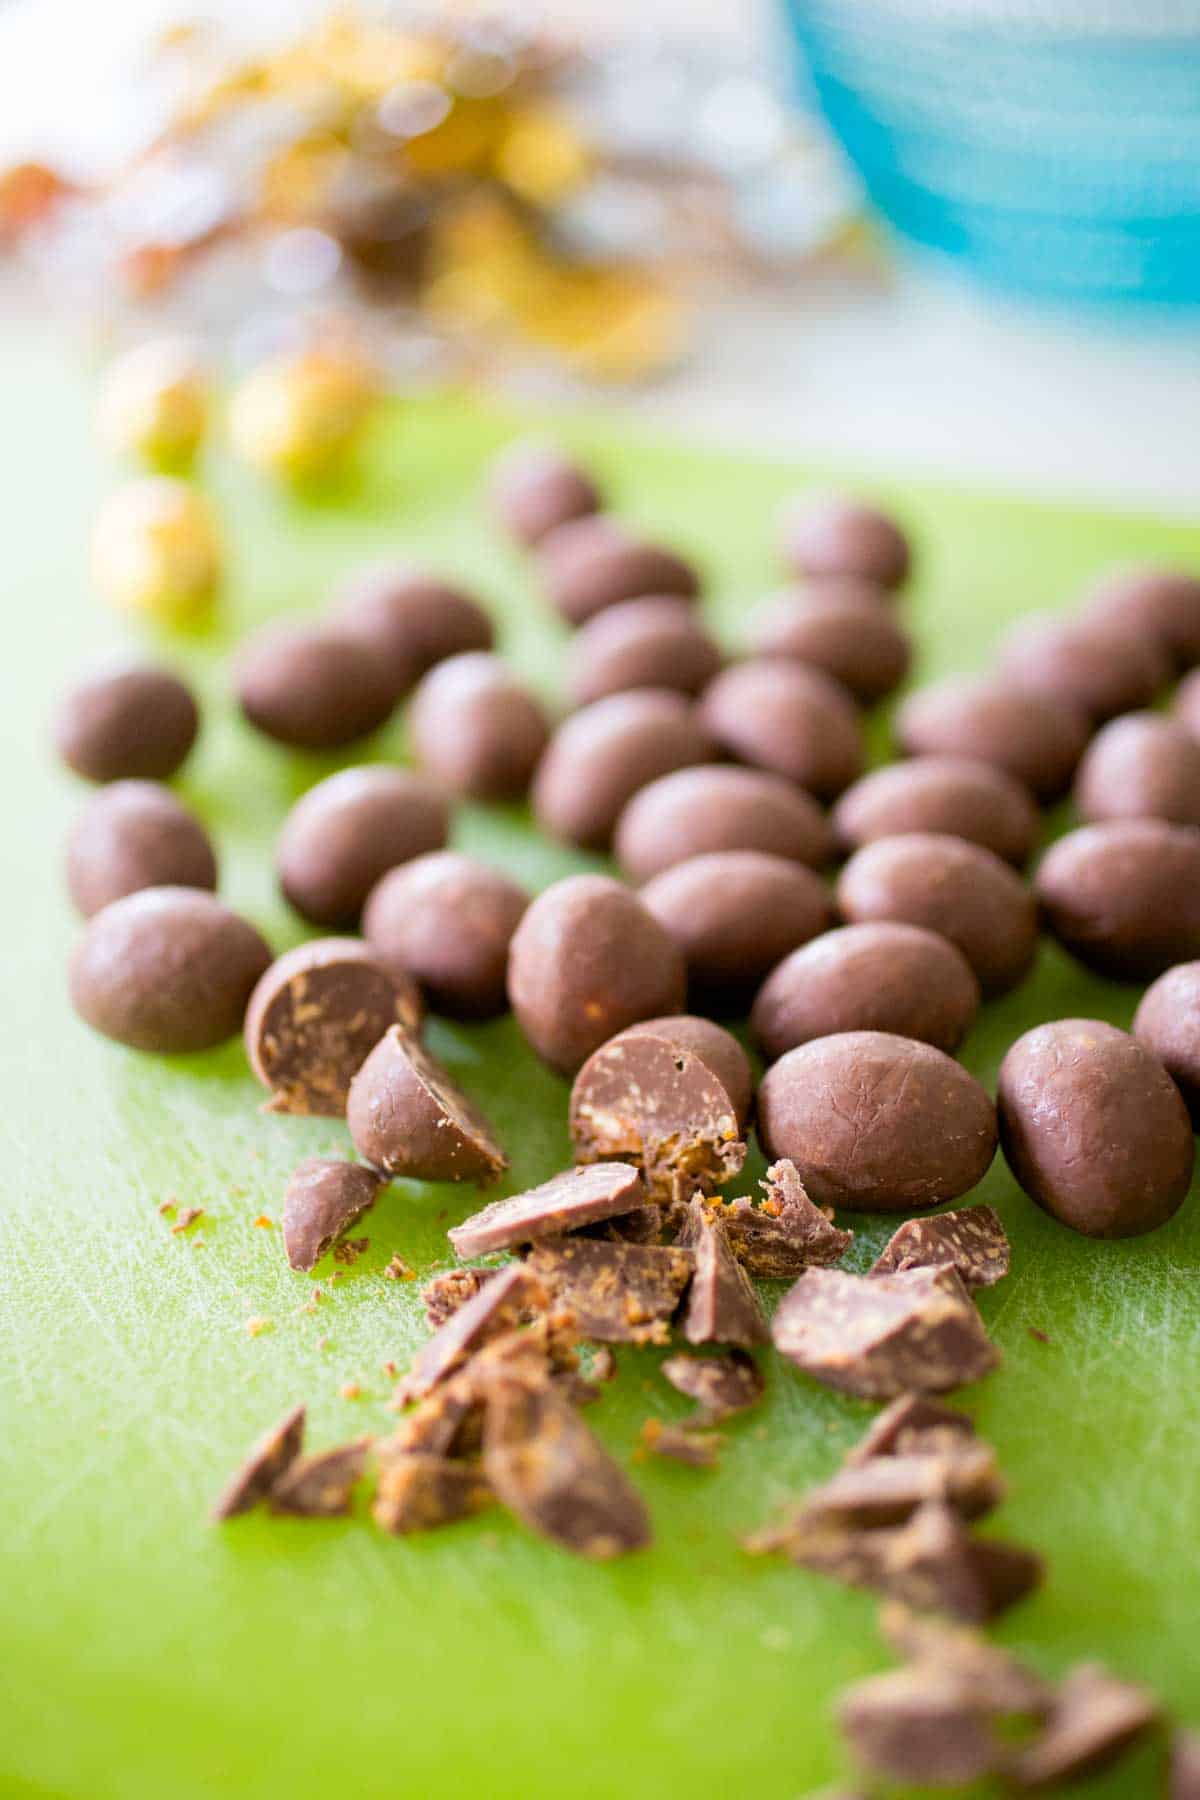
(153, 404)
(542, 157)
(156, 551)
(297, 418)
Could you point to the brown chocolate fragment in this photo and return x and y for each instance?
(316, 1015)
(576, 1197)
(321, 1486)
(324, 1198)
(134, 835)
(1183, 1779)
(498, 1307)
(910, 1423)
(722, 1307)
(548, 1469)
(721, 1386)
(618, 1293)
(934, 1564)
(920, 1724)
(997, 1680)
(407, 1117)
(126, 721)
(787, 1233)
(275, 1451)
(644, 1225)
(446, 1293)
(878, 1336)
(887, 1490)
(682, 1443)
(447, 1422)
(1094, 1719)
(971, 1239)
(421, 1492)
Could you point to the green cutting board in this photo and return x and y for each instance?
(144, 1652)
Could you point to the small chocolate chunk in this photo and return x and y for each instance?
(311, 688)
(547, 1468)
(711, 809)
(934, 1564)
(587, 960)
(651, 643)
(1167, 1023)
(996, 1680)
(1102, 670)
(126, 722)
(879, 1336)
(324, 1198)
(1157, 603)
(722, 1307)
(682, 1443)
(722, 1386)
(420, 1492)
(1124, 898)
(618, 1293)
(920, 1724)
(1035, 739)
(447, 1422)
(643, 1225)
(1142, 766)
(948, 794)
(476, 729)
(407, 1117)
(447, 920)
(348, 831)
(600, 757)
(959, 890)
(887, 1490)
(910, 1423)
(274, 1453)
(409, 620)
(849, 637)
(1095, 1718)
(1183, 1778)
(564, 1203)
(789, 719)
(972, 1240)
(135, 835)
(447, 1292)
(168, 969)
(840, 536)
(321, 1486)
(316, 1015)
(877, 1123)
(1186, 704)
(535, 488)
(786, 1233)
(591, 563)
(498, 1307)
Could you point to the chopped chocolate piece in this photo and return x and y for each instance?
(421, 1492)
(971, 1240)
(619, 1293)
(787, 1233)
(919, 1724)
(324, 1198)
(683, 1443)
(722, 1307)
(315, 1017)
(546, 1466)
(447, 1422)
(1183, 1780)
(497, 1307)
(407, 1117)
(275, 1451)
(1001, 1683)
(1094, 1719)
(348, 1250)
(934, 1564)
(909, 1423)
(721, 1385)
(577, 1197)
(878, 1336)
(446, 1293)
(321, 1486)
(643, 1225)
(888, 1489)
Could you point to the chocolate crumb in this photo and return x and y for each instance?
(971, 1239)
(446, 1293)
(263, 1223)
(168, 1208)
(321, 1486)
(350, 1390)
(1093, 1720)
(722, 1386)
(1042, 1337)
(256, 1325)
(579, 1196)
(619, 1293)
(398, 1270)
(187, 1217)
(274, 1452)
(348, 1250)
(722, 1307)
(787, 1232)
(604, 1364)
(324, 1198)
(682, 1443)
(421, 1492)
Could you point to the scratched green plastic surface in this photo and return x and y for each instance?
(144, 1653)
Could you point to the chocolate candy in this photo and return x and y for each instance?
(1032, 737)
(714, 1046)
(840, 536)
(133, 835)
(346, 832)
(588, 564)
(1187, 704)
(407, 1117)
(1160, 604)
(409, 620)
(600, 757)
(1124, 898)
(877, 1123)
(1094, 1129)
(1168, 1023)
(946, 885)
(947, 794)
(535, 488)
(715, 808)
(315, 1017)
(734, 914)
(447, 920)
(311, 688)
(1100, 669)
(586, 961)
(652, 643)
(167, 969)
(324, 1198)
(477, 729)
(1141, 766)
(880, 977)
(127, 721)
(848, 636)
(788, 718)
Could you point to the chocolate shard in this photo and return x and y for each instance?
(579, 1196)
(644, 1225)
(321, 1486)
(547, 1468)
(1183, 1775)
(324, 1198)
(447, 1422)
(889, 1489)
(683, 1443)
(934, 1564)
(878, 1336)
(919, 1724)
(721, 1385)
(1094, 1719)
(999, 1682)
(499, 1305)
(447, 1292)
(275, 1451)
(972, 1240)
(722, 1307)
(422, 1491)
(787, 1233)
(619, 1293)
(408, 1117)
(910, 1423)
